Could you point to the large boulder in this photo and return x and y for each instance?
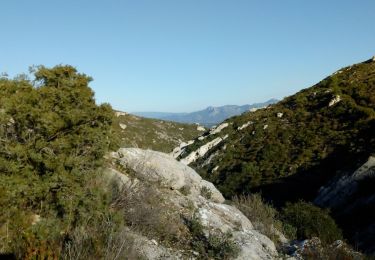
(182, 187)
(162, 168)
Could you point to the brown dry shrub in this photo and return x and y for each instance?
(147, 212)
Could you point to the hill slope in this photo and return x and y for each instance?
(152, 134)
(291, 149)
(209, 116)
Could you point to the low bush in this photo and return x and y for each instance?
(263, 216)
(311, 221)
(145, 211)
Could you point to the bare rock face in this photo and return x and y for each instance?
(183, 188)
(352, 197)
(162, 168)
(201, 151)
(334, 101)
(339, 191)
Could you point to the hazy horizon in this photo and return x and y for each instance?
(174, 56)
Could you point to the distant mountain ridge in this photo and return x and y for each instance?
(207, 117)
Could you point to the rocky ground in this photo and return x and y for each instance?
(184, 191)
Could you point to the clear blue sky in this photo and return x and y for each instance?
(183, 55)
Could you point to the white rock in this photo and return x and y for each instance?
(200, 138)
(122, 126)
(201, 151)
(265, 127)
(226, 218)
(200, 128)
(119, 113)
(120, 179)
(279, 115)
(162, 168)
(148, 249)
(35, 218)
(245, 125)
(337, 72)
(218, 129)
(334, 101)
(164, 171)
(215, 194)
(180, 149)
(338, 192)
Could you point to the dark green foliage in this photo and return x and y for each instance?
(311, 221)
(52, 139)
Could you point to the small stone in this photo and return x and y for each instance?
(35, 219)
(200, 128)
(122, 126)
(119, 113)
(279, 115)
(334, 101)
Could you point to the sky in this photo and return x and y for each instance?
(185, 55)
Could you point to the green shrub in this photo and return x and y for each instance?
(263, 216)
(311, 221)
(53, 139)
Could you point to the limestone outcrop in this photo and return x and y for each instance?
(190, 195)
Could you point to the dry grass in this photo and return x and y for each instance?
(262, 215)
(145, 211)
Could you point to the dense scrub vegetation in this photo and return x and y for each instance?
(53, 138)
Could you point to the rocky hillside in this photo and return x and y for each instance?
(146, 133)
(174, 214)
(318, 137)
(209, 116)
